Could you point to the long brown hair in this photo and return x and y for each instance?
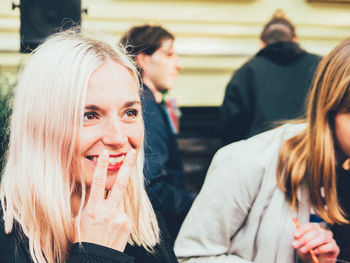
(310, 157)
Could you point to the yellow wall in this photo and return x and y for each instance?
(213, 38)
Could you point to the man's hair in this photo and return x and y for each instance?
(279, 28)
(144, 39)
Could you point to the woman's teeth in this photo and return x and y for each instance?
(112, 160)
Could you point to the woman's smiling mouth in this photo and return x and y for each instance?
(114, 163)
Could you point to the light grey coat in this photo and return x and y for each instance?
(240, 215)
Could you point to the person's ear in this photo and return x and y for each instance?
(262, 44)
(295, 39)
(141, 60)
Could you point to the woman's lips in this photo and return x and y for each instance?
(114, 163)
(114, 167)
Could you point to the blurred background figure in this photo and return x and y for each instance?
(271, 86)
(153, 50)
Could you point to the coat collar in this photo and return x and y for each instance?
(282, 52)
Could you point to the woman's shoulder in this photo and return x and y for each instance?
(256, 155)
(241, 168)
(269, 141)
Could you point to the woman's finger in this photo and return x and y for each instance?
(302, 230)
(99, 179)
(122, 180)
(316, 241)
(328, 248)
(303, 234)
(314, 238)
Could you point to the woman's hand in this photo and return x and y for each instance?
(104, 221)
(313, 236)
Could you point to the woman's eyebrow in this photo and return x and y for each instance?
(132, 103)
(92, 107)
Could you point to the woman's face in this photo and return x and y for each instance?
(342, 132)
(112, 120)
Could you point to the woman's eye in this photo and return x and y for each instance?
(88, 116)
(131, 113)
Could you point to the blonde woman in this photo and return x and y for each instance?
(72, 189)
(254, 188)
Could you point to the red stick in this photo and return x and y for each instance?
(312, 253)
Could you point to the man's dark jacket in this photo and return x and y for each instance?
(163, 169)
(270, 87)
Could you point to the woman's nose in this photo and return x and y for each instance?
(113, 134)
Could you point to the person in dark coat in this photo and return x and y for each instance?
(73, 186)
(152, 47)
(271, 86)
(341, 232)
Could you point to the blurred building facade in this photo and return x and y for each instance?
(213, 37)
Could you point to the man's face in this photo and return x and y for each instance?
(162, 66)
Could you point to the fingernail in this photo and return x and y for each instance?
(295, 243)
(297, 234)
(303, 249)
(105, 153)
(132, 154)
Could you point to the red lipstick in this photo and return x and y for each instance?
(115, 161)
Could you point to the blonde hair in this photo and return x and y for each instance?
(310, 157)
(37, 185)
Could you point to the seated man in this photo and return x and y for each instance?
(152, 48)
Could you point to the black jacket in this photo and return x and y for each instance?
(14, 248)
(270, 87)
(164, 173)
(342, 232)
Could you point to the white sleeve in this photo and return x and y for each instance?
(229, 190)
